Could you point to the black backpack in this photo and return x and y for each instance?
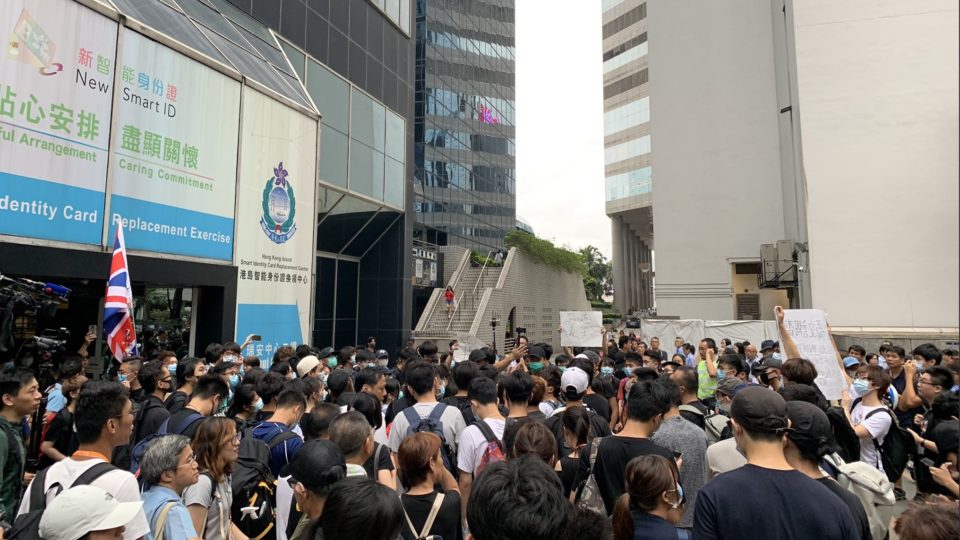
(27, 525)
(254, 487)
(895, 448)
(433, 424)
(848, 444)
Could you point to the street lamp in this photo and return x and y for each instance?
(493, 324)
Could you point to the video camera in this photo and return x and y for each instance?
(24, 297)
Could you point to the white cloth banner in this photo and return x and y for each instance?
(693, 330)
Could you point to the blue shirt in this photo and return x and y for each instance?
(178, 525)
(56, 399)
(691, 360)
(651, 527)
(283, 452)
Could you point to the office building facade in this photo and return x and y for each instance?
(465, 176)
(803, 123)
(627, 152)
(256, 155)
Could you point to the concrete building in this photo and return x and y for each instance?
(465, 113)
(627, 143)
(833, 126)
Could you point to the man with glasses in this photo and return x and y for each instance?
(103, 421)
(168, 467)
(312, 473)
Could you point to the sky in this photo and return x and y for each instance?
(560, 187)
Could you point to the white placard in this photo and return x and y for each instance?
(808, 328)
(581, 329)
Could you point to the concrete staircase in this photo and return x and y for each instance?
(469, 289)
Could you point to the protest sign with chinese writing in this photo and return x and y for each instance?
(808, 328)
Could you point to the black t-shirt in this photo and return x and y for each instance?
(154, 413)
(447, 523)
(854, 504)
(462, 403)
(567, 473)
(61, 434)
(386, 464)
(398, 405)
(612, 458)
(752, 502)
(598, 404)
(598, 426)
(698, 419)
(138, 395)
(180, 419)
(176, 401)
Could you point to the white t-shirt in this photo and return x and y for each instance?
(878, 425)
(284, 502)
(473, 444)
(119, 483)
(452, 419)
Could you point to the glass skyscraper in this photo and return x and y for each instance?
(464, 153)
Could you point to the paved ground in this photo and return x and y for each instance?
(889, 512)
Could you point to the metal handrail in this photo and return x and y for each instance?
(473, 293)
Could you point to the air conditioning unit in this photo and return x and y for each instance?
(778, 266)
(769, 266)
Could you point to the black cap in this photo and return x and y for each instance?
(325, 352)
(317, 465)
(770, 363)
(768, 344)
(809, 426)
(759, 409)
(536, 352)
(477, 355)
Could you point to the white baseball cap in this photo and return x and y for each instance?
(575, 377)
(306, 364)
(82, 509)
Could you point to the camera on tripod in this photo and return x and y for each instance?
(52, 341)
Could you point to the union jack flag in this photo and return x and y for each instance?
(118, 308)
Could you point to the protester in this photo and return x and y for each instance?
(870, 418)
(359, 509)
(103, 420)
(128, 376)
(216, 447)
(682, 437)
(168, 467)
(312, 474)
(474, 441)
(515, 389)
(421, 469)
(61, 439)
(209, 398)
(269, 388)
(573, 384)
(651, 505)
(577, 437)
(707, 371)
(156, 383)
(423, 383)
(89, 513)
(315, 424)
(768, 482)
(189, 370)
(646, 406)
(351, 432)
(378, 465)
(535, 439)
(244, 407)
(686, 379)
(19, 396)
(70, 368)
(278, 431)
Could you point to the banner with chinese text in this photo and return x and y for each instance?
(175, 153)
(56, 87)
(276, 223)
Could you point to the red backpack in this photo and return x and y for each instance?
(494, 450)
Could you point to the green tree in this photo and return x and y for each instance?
(599, 272)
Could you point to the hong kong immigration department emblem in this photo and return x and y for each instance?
(279, 207)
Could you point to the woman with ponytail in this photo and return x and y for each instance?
(652, 502)
(576, 436)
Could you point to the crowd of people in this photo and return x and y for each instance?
(626, 441)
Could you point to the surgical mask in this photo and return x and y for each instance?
(234, 380)
(562, 368)
(258, 406)
(229, 358)
(400, 395)
(353, 358)
(332, 362)
(676, 505)
(721, 375)
(122, 377)
(861, 387)
(724, 406)
(323, 397)
(383, 362)
(606, 371)
(918, 364)
(293, 375)
(323, 377)
(172, 369)
(535, 366)
(223, 404)
(443, 388)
